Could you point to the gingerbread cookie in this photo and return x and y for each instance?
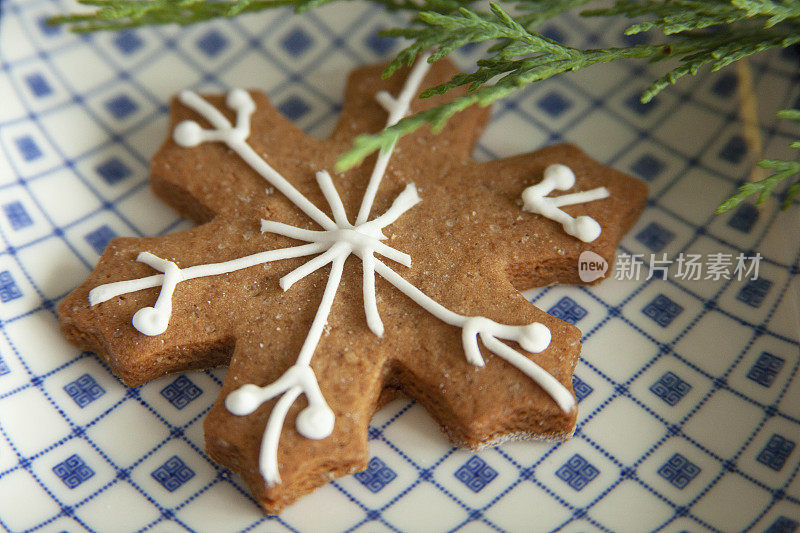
(330, 293)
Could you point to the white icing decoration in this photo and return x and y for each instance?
(562, 178)
(337, 240)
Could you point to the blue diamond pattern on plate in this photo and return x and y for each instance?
(568, 310)
(765, 369)
(4, 367)
(8, 287)
(379, 45)
(73, 471)
(754, 291)
(634, 102)
(294, 107)
(670, 388)
(655, 237)
(776, 452)
(38, 85)
(173, 474)
(679, 471)
(581, 388)
(648, 167)
(121, 106)
(725, 85)
(744, 217)
(297, 42)
(554, 104)
(783, 524)
(28, 148)
(47, 29)
(84, 390)
(662, 310)
(99, 238)
(17, 215)
(475, 473)
(376, 476)
(577, 472)
(212, 43)
(113, 170)
(181, 392)
(128, 42)
(734, 150)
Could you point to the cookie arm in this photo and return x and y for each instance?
(591, 212)
(200, 335)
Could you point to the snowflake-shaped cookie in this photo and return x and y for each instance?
(332, 293)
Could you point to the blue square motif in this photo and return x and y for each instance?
(297, 42)
(212, 43)
(635, 38)
(765, 369)
(121, 106)
(376, 476)
(8, 287)
(581, 388)
(128, 42)
(776, 452)
(679, 471)
(475, 474)
(73, 471)
(744, 218)
(754, 292)
(634, 102)
(173, 474)
(783, 525)
(38, 85)
(554, 104)
(577, 472)
(648, 167)
(17, 215)
(294, 107)
(568, 310)
(725, 85)
(84, 390)
(113, 171)
(47, 29)
(28, 148)
(655, 236)
(662, 310)
(99, 238)
(670, 388)
(553, 33)
(734, 150)
(181, 392)
(379, 45)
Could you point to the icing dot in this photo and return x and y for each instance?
(535, 337)
(586, 228)
(239, 99)
(188, 133)
(244, 400)
(150, 321)
(315, 422)
(561, 175)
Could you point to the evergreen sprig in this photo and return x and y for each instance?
(782, 170)
(125, 14)
(695, 34)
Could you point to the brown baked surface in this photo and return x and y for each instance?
(472, 246)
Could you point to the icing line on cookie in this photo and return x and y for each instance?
(561, 177)
(397, 108)
(337, 241)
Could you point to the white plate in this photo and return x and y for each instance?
(689, 412)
